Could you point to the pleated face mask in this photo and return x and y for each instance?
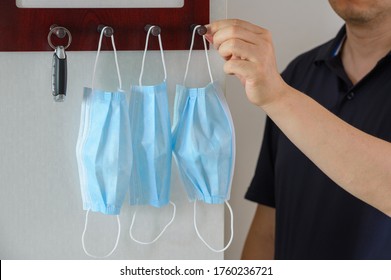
(151, 142)
(104, 149)
(204, 142)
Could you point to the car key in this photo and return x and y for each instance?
(59, 74)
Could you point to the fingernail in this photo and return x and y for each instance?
(209, 38)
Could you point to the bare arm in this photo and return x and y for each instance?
(356, 161)
(259, 244)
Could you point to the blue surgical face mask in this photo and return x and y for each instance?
(204, 142)
(104, 149)
(151, 142)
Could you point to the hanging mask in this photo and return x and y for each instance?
(151, 142)
(204, 142)
(104, 149)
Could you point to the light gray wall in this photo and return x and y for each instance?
(296, 26)
(41, 215)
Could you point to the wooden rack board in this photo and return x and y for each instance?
(26, 29)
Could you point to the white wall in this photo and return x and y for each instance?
(296, 26)
(41, 215)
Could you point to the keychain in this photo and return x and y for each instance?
(59, 64)
(59, 74)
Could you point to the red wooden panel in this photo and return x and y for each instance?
(27, 29)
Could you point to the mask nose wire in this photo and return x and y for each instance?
(84, 233)
(145, 53)
(159, 235)
(115, 58)
(203, 240)
(190, 52)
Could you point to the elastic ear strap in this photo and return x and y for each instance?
(97, 56)
(207, 59)
(162, 55)
(190, 52)
(160, 234)
(116, 242)
(116, 62)
(203, 240)
(145, 53)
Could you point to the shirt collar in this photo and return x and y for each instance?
(333, 47)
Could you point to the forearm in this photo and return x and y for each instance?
(257, 248)
(356, 161)
(259, 244)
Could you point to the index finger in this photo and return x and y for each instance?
(215, 26)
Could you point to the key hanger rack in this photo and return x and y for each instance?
(26, 29)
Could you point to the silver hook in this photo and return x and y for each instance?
(201, 30)
(60, 32)
(156, 30)
(109, 31)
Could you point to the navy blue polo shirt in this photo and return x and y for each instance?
(315, 218)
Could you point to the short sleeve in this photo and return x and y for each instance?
(261, 189)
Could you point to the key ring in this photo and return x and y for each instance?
(60, 33)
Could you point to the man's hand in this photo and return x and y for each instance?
(249, 54)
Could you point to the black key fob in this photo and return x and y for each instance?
(59, 74)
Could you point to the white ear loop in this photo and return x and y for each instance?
(189, 57)
(203, 240)
(116, 242)
(160, 234)
(115, 58)
(145, 53)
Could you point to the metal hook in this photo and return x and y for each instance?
(156, 30)
(109, 31)
(201, 30)
(60, 32)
